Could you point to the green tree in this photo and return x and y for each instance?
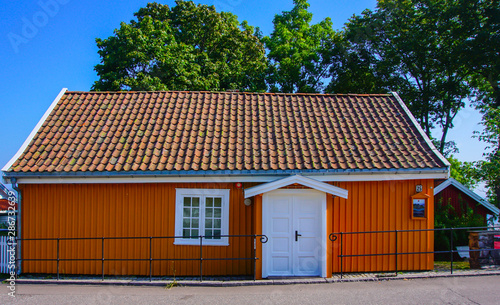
(186, 47)
(490, 169)
(479, 43)
(446, 216)
(464, 172)
(300, 54)
(407, 47)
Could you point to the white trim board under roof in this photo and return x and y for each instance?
(364, 176)
(305, 181)
(468, 192)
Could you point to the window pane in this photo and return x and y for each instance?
(196, 212)
(194, 233)
(217, 234)
(208, 234)
(217, 212)
(209, 212)
(217, 224)
(217, 202)
(195, 223)
(196, 201)
(210, 202)
(186, 224)
(187, 201)
(187, 212)
(185, 233)
(208, 223)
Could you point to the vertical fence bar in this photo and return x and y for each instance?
(150, 258)
(254, 240)
(451, 250)
(396, 252)
(341, 255)
(58, 259)
(201, 258)
(102, 257)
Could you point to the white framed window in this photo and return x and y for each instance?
(202, 212)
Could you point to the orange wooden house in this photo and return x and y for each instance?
(225, 165)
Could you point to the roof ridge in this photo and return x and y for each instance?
(235, 92)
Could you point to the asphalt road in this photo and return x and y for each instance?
(465, 290)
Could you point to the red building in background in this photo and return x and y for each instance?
(453, 192)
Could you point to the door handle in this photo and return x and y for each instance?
(297, 235)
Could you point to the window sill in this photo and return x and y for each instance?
(196, 242)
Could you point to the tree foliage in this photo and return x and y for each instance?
(466, 173)
(300, 54)
(186, 47)
(490, 169)
(406, 46)
(478, 39)
(446, 216)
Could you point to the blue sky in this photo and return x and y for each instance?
(48, 45)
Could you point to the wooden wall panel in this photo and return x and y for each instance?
(381, 206)
(122, 210)
(458, 200)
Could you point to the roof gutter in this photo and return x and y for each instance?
(212, 173)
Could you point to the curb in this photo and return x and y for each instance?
(246, 282)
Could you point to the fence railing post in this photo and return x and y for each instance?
(201, 258)
(150, 258)
(58, 259)
(396, 252)
(451, 250)
(102, 257)
(341, 255)
(254, 261)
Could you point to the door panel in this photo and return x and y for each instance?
(281, 247)
(307, 222)
(284, 214)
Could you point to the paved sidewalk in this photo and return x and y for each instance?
(241, 281)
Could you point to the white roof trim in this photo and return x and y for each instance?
(34, 131)
(468, 192)
(309, 182)
(419, 128)
(392, 176)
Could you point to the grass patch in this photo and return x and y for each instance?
(443, 265)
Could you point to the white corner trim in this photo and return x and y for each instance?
(419, 128)
(306, 181)
(35, 130)
(468, 192)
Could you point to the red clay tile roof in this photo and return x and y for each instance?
(211, 131)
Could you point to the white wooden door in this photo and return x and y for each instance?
(292, 219)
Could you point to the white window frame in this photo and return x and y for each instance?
(180, 193)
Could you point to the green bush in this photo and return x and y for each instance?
(448, 217)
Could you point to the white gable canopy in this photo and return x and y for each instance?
(305, 181)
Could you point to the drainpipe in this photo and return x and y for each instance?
(13, 181)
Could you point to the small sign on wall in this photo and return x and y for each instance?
(419, 208)
(419, 205)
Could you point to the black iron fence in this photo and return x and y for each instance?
(151, 259)
(339, 237)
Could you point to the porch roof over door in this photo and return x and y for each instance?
(305, 181)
